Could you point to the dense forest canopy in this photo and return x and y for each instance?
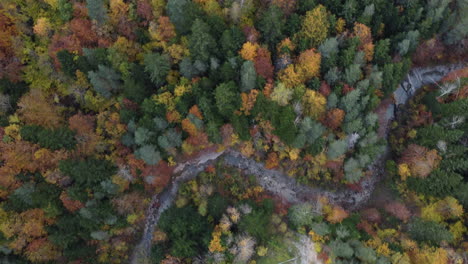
(101, 100)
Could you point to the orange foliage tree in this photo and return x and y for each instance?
(35, 108)
(365, 37)
(9, 63)
(333, 118)
(84, 127)
(308, 64)
(336, 215)
(165, 30)
(82, 29)
(421, 161)
(42, 250)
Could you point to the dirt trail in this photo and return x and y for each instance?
(281, 184)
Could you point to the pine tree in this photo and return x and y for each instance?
(201, 44)
(105, 81)
(97, 10)
(158, 66)
(149, 154)
(336, 149)
(182, 14)
(353, 171)
(248, 76)
(271, 25)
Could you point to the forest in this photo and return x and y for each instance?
(105, 104)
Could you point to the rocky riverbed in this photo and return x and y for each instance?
(279, 183)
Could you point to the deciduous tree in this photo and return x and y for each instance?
(35, 108)
(314, 26)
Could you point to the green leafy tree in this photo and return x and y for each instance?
(257, 222)
(158, 66)
(227, 98)
(65, 10)
(231, 41)
(137, 86)
(365, 254)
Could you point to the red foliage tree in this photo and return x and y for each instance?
(325, 89)
(144, 10)
(60, 42)
(262, 63)
(157, 176)
(421, 161)
(398, 210)
(71, 205)
(80, 10)
(288, 6)
(347, 89)
(82, 29)
(9, 63)
(166, 29)
(251, 34)
(333, 118)
(371, 215)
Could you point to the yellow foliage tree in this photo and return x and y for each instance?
(248, 101)
(249, 51)
(314, 104)
(340, 25)
(450, 208)
(315, 26)
(308, 64)
(210, 7)
(365, 37)
(177, 52)
(35, 108)
(404, 171)
(290, 77)
(429, 256)
(118, 9)
(281, 94)
(285, 46)
(457, 230)
(42, 27)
